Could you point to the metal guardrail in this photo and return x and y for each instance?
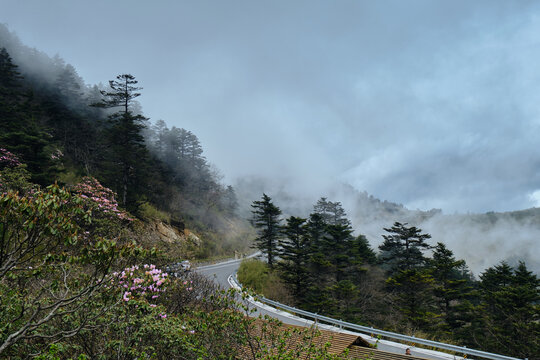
(387, 334)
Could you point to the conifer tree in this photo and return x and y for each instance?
(315, 231)
(267, 220)
(9, 73)
(337, 246)
(331, 212)
(20, 130)
(508, 317)
(452, 285)
(409, 279)
(402, 248)
(159, 136)
(294, 253)
(124, 134)
(229, 201)
(318, 264)
(362, 251)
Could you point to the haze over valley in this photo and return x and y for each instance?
(432, 105)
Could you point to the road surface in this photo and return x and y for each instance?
(221, 273)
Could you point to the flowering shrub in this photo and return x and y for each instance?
(99, 197)
(46, 270)
(8, 159)
(13, 174)
(141, 286)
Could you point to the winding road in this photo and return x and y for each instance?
(224, 272)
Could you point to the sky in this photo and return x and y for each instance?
(432, 104)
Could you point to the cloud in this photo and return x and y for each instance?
(426, 103)
(430, 104)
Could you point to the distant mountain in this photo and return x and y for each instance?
(482, 240)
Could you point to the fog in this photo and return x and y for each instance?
(429, 104)
(483, 240)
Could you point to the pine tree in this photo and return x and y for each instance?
(402, 249)
(72, 126)
(69, 87)
(294, 254)
(413, 290)
(315, 231)
(229, 201)
(337, 247)
(128, 154)
(362, 251)
(508, 316)
(20, 129)
(331, 212)
(159, 142)
(404, 261)
(318, 264)
(452, 284)
(266, 219)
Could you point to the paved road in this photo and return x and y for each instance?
(222, 271)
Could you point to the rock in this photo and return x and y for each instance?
(168, 233)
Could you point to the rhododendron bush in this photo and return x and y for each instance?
(98, 197)
(8, 159)
(141, 286)
(48, 268)
(13, 174)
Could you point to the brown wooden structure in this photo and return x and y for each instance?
(299, 337)
(358, 352)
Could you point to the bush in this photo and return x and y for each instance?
(149, 212)
(52, 267)
(253, 274)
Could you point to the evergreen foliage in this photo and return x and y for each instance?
(408, 278)
(127, 153)
(508, 315)
(402, 248)
(57, 255)
(47, 121)
(331, 212)
(452, 287)
(267, 220)
(69, 291)
(20, 130)
(294, 255)
(362, 251)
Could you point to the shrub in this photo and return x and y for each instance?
(253, 274)
(149, 212)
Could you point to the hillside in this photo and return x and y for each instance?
(93, 203)
(63, 129)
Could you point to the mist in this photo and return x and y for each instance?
(482, 240)
(428, 104)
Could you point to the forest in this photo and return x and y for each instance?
(411, 285)
(64, 130)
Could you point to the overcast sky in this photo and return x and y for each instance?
(425, 103)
